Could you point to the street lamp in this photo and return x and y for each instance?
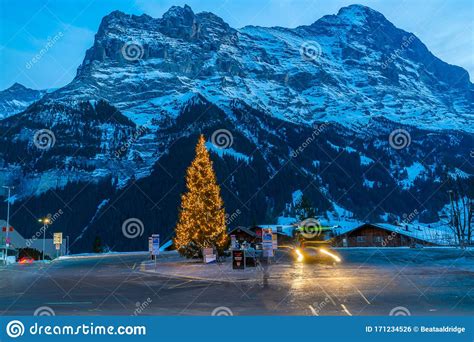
(8, 219)
(67, 245)
(45, 221)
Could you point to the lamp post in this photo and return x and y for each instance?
(45, 221)
(67, 245)
(9, 188)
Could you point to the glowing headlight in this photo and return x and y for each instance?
(300, 256)
(334, 256)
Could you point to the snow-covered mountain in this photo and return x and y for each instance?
(17, 98)
(347, 68)
(350, 110)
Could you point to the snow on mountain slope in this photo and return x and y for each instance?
(342, 68)
(17, 98)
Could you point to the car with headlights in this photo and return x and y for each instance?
(316, 252)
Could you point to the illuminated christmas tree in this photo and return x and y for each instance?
(201, 221)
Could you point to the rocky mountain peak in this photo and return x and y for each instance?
(387, 66)
(16, 87)
(182, 22)
(179, 22)
(181, 13)
(118, 22)
(353, 16)
(359, 14)
(17, 98)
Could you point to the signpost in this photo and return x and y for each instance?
(58, 241)
(275, 241)
(58, 238)
(7, 240)
(150, 246)
(210, 258)
(238, 259)
(267, 243)
(208, 255)
(155, 246)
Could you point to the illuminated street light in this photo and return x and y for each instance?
(44, 220)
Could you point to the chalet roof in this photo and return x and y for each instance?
(438, 235)
(243, 229)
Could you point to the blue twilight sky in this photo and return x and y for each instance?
(445, 26)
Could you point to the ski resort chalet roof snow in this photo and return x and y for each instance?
(438, 233)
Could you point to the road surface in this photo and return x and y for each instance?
(368, 282)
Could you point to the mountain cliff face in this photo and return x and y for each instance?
(350, 110)
(348, 68)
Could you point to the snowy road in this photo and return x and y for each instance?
(368, 282)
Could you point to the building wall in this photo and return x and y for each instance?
(371, 236)
(241, 235)
(284, 240)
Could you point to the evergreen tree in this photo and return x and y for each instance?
(201, 222)
(305, 209)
